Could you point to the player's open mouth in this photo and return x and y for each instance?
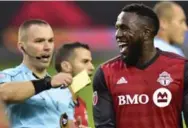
(123, 46)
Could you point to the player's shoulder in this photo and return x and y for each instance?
(113, 62)
(172, 57)
(11, 71)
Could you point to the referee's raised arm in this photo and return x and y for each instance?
(12, 92)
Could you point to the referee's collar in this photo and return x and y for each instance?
(47, 75)
(25, 69)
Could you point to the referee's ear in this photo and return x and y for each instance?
(20, 46)
(66, 67)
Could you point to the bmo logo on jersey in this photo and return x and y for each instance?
(162, 97)
(136, 99)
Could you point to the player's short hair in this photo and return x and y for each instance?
(22, 35)
(66, 51)
(145, 11)
(164, 9)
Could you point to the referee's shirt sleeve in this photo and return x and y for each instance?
(103, 112)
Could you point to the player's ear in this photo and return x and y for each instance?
(66, 67)
(147, 33)
(163, 24)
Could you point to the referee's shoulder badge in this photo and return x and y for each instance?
(64, 120)
(2, 76)
(95, 98)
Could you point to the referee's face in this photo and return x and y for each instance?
(39, 46)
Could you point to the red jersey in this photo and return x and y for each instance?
(145, 96)
(81, 112)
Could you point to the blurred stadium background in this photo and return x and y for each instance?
(89, 22)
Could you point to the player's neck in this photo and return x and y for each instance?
(39, 72)
(149, 51)
(162, 36)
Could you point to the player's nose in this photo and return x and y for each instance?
(118, 34)
(185, 27)
(92, 68)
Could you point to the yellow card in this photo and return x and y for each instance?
(80, 81)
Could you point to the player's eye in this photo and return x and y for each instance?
(85, 61)
(124, 27)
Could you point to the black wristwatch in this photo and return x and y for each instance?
(42, 84)
(47, 82)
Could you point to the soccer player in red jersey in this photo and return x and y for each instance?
(80, 115)
(143, 87)
(73, 58)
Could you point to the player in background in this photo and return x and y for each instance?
(143, 86)
(172, 28)
(73, 58)
(33, 99)
(81, 115)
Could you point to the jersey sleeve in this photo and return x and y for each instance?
(185, 94)
(103, 112)
(4, 77)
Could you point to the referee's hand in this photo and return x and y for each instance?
(61, 79)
